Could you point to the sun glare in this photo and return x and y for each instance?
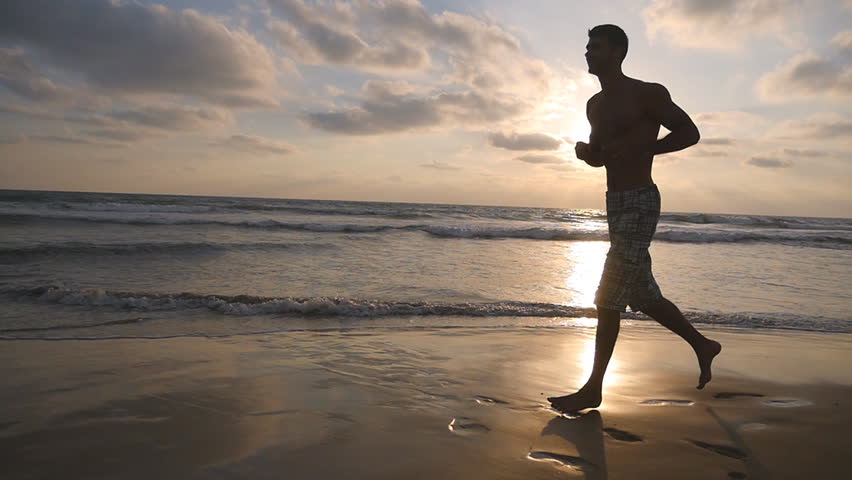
(586, 264)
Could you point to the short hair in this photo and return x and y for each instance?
(614, 35)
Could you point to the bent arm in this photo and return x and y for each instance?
(594, 156)
(683, 132)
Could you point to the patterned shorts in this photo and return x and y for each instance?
(632, 216)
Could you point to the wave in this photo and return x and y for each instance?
(82, 248)
(490, 231)
(759, 221)
(252, 305)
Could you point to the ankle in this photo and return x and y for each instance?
(592, 388)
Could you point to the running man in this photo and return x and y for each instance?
(625, 117)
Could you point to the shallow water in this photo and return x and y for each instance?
(90, 265)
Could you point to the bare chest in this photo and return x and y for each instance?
(613, 116)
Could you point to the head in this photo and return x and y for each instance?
(606, 49)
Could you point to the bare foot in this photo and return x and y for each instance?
(584, 398)
(706, 354)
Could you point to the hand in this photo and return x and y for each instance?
(582, 150)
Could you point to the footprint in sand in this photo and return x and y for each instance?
(576, 463)
(725, 450)
(483, 400)
(788, 403)
(464, 426)
(753, 426)
(727, 395)
(622, 435)
(664, 401)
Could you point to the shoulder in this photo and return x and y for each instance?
(654, 91)
(592, 101)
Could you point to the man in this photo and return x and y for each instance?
(625, 117)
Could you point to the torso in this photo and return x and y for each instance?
(613, 114)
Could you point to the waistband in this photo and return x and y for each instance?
(632, 192)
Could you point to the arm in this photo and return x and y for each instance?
(683, 132)
(591, 152)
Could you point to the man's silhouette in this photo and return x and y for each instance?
(625, 117)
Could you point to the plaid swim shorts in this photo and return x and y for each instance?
(632, 217)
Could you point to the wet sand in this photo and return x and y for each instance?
(463, 403)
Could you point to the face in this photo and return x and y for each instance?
(600, 57)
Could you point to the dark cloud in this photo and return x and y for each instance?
(325, 35)
(766, 162)
(33, 112)
(806, 75)
(140, 49)
(174, 117)
(254, 144)
(524, 141)
(541, 159)
(389, 108)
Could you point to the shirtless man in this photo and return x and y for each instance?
(625, 117)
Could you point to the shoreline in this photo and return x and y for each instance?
(438, 403)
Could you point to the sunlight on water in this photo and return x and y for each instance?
(587, 259)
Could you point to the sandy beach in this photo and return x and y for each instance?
(424, 403)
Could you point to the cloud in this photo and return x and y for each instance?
(483, 76)
(806, 152)
(124, 135)
(33, 112)
(843, 41)
(326, 33)
(820, 126)
(539, 159)
(52, 139)
(721, 24)
(564, 167)
(175, 117)
(480, 54)
(806, 75)
(717, 141)
(440, 165)
(123, 47)
(766, 162)
(524, 141)
(390, 107)
(255, 145)
(153, 121)
(730, 124)
(19, 76)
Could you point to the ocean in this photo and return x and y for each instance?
(111, 265)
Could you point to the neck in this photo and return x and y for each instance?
(612, 80)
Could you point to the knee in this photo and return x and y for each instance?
(607, 314)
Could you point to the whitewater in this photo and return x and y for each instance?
(109, 265)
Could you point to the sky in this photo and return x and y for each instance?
(465, 102)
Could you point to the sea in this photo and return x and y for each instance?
(79, 265)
